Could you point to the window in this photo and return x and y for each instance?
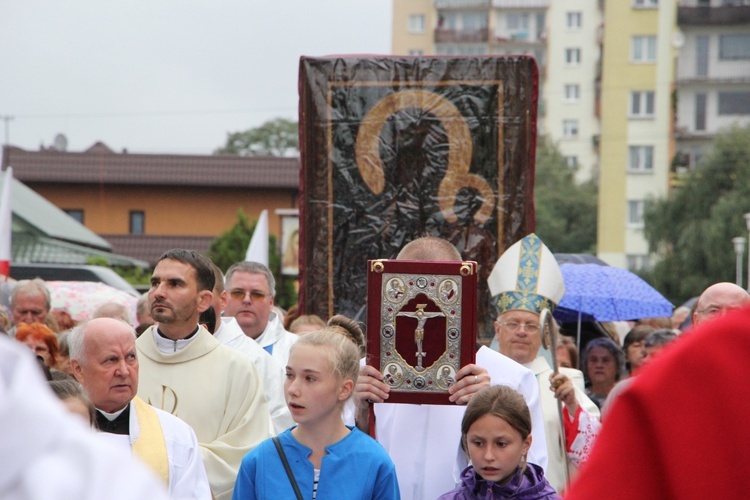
(540, 16)
(518, 22)
(701, 55)
(635, 213)
(573, 20)
(642, 104)
(643, 49)
(570, 128)
(700, 111)
(474, 21)
(572, 92)
(572, 57)
(416, 23)
(572, 162)
(416, 52)
(734, 103)
(645, 4)
(641, 159)
(638, 262)
(76, 213)
(137, 221)
(734, 47)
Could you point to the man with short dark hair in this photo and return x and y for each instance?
(104, 360)
(187, 372)
(251, 288)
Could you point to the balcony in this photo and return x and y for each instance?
(520, 4)
(462, 4)
(725, 15)
(443, 35)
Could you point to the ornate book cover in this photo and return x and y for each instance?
(421, 326)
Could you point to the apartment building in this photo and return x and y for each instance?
(563, 37)
(636, 123)
(713, 74)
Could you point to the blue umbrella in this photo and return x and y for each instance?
(607, 293)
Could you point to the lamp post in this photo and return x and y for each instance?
(739, 250)
(747, 223)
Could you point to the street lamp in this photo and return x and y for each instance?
(739, 249)
(747, 223)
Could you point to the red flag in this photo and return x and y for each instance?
(5, 223)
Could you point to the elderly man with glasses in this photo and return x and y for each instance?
(718, 299)
(251, 287)
(525, 281)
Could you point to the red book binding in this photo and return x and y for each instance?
(421, 325)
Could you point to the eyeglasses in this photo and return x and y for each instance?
(514, 326)
(716, 310)
(255, 295)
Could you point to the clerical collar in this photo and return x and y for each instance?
(167, 345)
(114, 423)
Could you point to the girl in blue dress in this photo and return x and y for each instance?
(325, 458)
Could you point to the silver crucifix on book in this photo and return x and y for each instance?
(421, 317)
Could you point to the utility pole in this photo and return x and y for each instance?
(6, 145)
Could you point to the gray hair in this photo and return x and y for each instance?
(112, 310)
(659, 338)
(254, 268)
(35, 287)
(141, 307)
(76, 337)
(613, 349)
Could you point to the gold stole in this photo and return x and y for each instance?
(150, 445)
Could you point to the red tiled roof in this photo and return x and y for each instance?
(100, 167)
(150, 247)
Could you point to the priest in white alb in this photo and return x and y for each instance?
(104, 360)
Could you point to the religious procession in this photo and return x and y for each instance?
(397, 318)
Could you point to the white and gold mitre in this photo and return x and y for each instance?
(526, 277)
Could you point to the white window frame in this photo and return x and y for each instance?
(571, 92)
(645, 4)
(643, 48)
(572, 56)
(574, 20)
(571, 129)
(572, 162)
(416, 52)
(641, 159)
(416, 23)
(635, 213)
(642, 99)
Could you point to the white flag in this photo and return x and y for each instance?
(5, 223)
(257, 250)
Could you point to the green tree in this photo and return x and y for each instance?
(565, 210)
(691, 230)
(230, 247)
(277, 137)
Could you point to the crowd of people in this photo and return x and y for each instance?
(221, 394)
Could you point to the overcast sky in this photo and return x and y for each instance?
(166, 75)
